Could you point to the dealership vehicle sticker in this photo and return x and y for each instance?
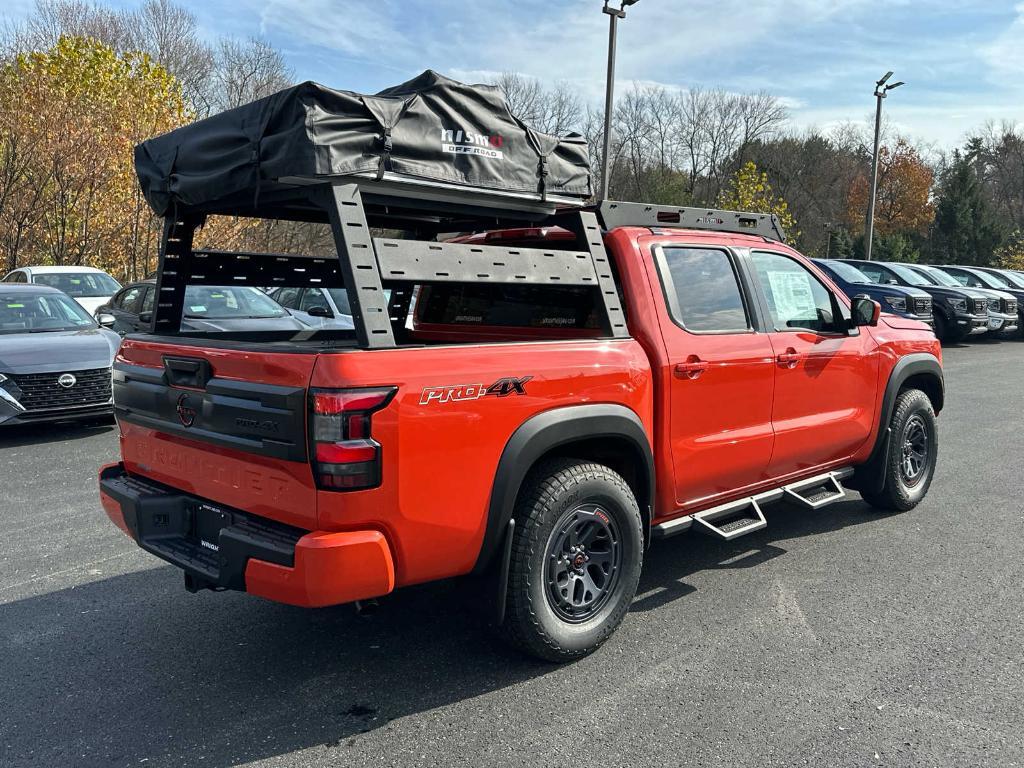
(794, 298)
(197, 308)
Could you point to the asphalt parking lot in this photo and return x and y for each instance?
(839, 637)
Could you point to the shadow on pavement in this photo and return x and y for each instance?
(131, 669)
(52, 432)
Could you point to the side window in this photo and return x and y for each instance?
(702, 290)
(796, 299)
(147, 300)
(312, 297)
(288, 297)
(126, 301)
(874, 273)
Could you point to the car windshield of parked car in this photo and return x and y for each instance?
(990, 280)
(911, 276)
(80, 284)
(847, 272)
(229, 302)
(940, 277)
(1012, 278)
(24, 312)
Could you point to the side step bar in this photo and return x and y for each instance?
(736, 518)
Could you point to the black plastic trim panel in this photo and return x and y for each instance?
(264, 419)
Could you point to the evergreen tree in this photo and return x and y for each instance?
(967, 229)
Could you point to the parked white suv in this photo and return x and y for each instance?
(89, 286)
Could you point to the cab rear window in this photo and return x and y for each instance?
(507, 306)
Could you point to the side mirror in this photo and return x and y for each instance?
(865, 311)
(105, 320)
(145, 317)
(319, 311)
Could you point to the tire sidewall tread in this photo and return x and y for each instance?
(550, 490)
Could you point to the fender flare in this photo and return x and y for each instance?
(549, 430)
(870, 475)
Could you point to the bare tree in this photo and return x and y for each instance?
(247, 70)
(557, 110)
(170, 34)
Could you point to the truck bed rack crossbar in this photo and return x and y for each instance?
(364, 264)
(614, 214)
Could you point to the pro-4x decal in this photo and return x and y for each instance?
(501, 388)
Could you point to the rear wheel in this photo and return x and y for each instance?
(913, 450)
(576, 557)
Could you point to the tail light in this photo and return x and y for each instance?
(344, 454)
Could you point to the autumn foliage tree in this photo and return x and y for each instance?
(748, 190)
(903, 201)
(69, 119)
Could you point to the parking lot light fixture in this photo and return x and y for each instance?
(882, 87)
(614, 14)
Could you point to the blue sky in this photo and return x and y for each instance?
(963, 61)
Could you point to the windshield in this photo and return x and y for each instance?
(215, 302)
(940, 277)
(1012, 278)
(912, 276)
(24, 312)
(80, 284)
(990, 280)
(847, 272)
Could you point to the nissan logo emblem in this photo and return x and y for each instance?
(186, 413)
(67, 381)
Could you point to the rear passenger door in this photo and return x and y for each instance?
(720, 374)
(825, 373)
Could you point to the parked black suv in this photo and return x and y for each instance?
(980, 277)
(958, 312)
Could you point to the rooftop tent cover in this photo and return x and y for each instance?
(430, 128)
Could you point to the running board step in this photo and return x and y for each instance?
(730, 524)
(816, 493)
(737, 518)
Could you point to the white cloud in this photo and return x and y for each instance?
(1005, 54)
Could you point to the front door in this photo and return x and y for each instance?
(825, 373)
(719, 374)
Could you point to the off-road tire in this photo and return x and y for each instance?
(548, 503)
(912, 417)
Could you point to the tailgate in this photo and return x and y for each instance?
(227, 425)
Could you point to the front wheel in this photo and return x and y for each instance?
(913, 451)
(576, 557)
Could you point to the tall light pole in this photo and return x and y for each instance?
(881, 89)
(614, 14)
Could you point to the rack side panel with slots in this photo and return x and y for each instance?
(365, 263)
(615, 214)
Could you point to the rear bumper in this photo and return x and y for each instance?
(222, 548)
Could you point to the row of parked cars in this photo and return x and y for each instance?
(61, 326)
(956, 301)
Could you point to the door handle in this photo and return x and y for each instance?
(789, 358)
(692, 368)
